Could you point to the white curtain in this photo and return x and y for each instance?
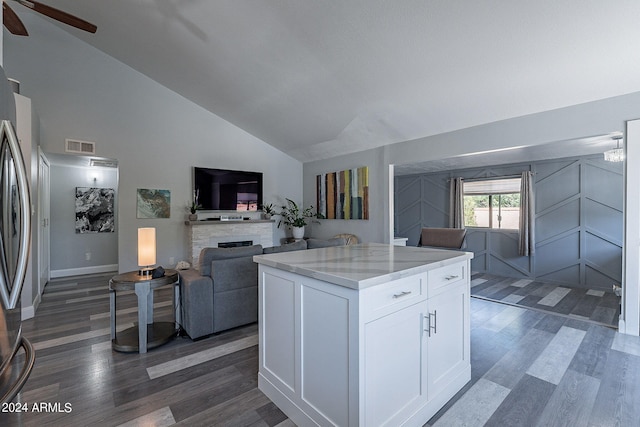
(456, 203)
(526, 242)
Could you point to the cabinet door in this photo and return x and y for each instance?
(393, 365)
(447, 324)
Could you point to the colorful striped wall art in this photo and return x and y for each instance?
(344, 194)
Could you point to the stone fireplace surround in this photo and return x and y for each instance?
(207, 234)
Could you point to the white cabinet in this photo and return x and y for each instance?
(414, 354)
(400, 241)
(394, 366)
(447, 336)
(391, 354)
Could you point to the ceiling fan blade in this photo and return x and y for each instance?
(12, 22)
(59, 15)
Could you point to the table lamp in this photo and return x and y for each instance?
(146, 250)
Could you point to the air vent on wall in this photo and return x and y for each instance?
(103, 163)
(80, 147)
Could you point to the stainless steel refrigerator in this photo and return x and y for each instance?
(16, 353)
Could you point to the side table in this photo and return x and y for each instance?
(140, 338)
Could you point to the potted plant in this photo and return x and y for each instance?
(194, 206)
(295, 217)
(268, 210)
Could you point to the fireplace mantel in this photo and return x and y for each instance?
(207, 234)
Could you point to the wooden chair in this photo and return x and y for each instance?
(449, 238)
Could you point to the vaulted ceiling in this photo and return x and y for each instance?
(317, 79)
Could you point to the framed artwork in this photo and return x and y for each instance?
(153, 203)
(95, 210)
(344, 194)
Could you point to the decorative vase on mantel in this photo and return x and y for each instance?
(193, 217)
(298, 232)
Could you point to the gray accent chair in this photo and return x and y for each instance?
(444, 238)
(223, 294)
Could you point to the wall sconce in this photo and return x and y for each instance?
(615, 154)
(146, 250)
(93, 176)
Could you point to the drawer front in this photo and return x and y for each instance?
(388, 297)
(446, 275)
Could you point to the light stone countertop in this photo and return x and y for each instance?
(364, 265)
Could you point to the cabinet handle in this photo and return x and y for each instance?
(401, 294)
(451, 277)
(435, 321)
(428, 328)
(432, 325)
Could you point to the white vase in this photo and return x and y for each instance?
(298, 232)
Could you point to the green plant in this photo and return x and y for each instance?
(269, 209)
(194, 203)
(292, 215)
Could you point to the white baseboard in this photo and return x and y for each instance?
(30, 311)
(83, 270)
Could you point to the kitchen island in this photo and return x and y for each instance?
(363, 335)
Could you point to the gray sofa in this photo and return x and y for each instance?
(223, 293)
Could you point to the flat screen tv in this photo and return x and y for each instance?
(227, 190)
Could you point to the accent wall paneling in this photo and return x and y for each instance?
(579, 221)
(420, 199)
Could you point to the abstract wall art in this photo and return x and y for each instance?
(344, 194)
(153, 203)
(95, 210)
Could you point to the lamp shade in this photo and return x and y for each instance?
(146, 246)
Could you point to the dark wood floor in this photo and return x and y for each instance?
(590, 305)
(209, 382)
(528, 368)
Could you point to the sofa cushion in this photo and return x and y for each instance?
(234, 273)
(209, 254)
(295, 246)
(319, 243)
(235, 308)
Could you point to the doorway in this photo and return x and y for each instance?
(82, 223)
(629, 319)
(44, 203)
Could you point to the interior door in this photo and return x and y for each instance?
(43, 221)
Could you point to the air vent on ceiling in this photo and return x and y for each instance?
(103, 163)
(80, 147)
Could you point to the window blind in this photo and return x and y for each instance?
(493, 186)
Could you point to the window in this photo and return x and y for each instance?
(492, 203)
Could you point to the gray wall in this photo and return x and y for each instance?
(156, 135)
(362, 228)
(579, 121)
(103, 247)
(578, 217)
